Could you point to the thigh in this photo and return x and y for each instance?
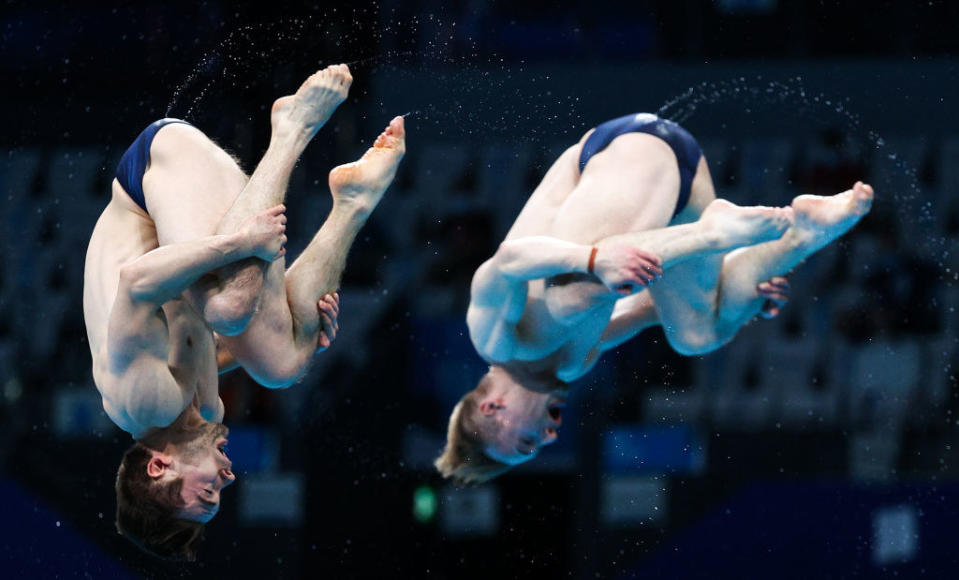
(687, 297)
(632, 185)
(190, 184)
(540, 209)
(267, 349)
(694, 281)
(701, 194)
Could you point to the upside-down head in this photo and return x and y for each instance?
(503, 422)
(168, 487)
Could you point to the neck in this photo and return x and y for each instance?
(159, 438)
(536, 376)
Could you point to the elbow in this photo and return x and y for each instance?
(506, 252)
(134, 281)
(506, 257)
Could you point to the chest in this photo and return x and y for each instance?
(192, 354)
(567, 339)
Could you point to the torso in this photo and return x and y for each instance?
(123, 233)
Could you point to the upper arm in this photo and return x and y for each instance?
(496, 306)
(137, 349)
(491, 287)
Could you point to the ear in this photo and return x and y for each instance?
(158, 465)
(490, 406)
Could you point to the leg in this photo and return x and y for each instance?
(282, 336)
(632, 187)
(818, 221)
(702, 308)
(184, 162)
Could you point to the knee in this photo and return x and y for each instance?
(279, 374)
(229, 312)
(693, 343)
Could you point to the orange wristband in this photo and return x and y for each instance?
(592, 259)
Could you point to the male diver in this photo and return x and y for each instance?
(624, 232)
(185, 273)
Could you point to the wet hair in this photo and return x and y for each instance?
(146, 510)
(464, 458)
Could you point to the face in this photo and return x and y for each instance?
(528, 420)
(205, 469)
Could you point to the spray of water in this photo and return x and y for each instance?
(899, 180)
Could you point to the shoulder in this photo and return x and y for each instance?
(142, 395)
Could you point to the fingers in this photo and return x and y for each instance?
(775, 289)
(329, 309)
(276, 210)
(650, 258)
(331, 302)
(329, 326)
(769, 310)
(646, 273)
(776, 292)
(323, 342)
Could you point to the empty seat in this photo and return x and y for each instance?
(740, 400)
(883, 379)
(668, 404)
(798, 368)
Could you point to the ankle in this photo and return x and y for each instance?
(290, 136)
(349, 207)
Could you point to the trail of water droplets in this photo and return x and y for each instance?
(910, 202)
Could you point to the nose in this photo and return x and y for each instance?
(228, 476)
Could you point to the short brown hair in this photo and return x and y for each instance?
(146, 510)
(464, 458)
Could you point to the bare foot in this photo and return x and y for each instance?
(738, 226)
(820, 220)
(363, 182)
(314, 102)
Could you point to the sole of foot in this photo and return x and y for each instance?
(364, 181)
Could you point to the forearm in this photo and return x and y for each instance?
(631, 316)
(541, 257)
(163, 273)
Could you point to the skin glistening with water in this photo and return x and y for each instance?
(541, 320)
(199, 283)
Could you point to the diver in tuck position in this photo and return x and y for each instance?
(623, 233)
(185, 275)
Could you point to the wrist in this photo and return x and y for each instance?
(237, 244)
(591, 261)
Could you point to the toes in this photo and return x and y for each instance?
(397, 126)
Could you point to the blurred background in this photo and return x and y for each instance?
(816, 445)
